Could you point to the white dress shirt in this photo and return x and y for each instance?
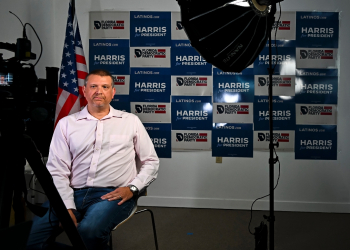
(87, 152)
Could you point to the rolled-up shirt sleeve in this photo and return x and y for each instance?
(147, 155)
(60, 163)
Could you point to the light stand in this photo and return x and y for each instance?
(230, 38)
(272, 161)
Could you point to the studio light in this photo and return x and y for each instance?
(228, 34)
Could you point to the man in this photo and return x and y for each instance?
(92, 163)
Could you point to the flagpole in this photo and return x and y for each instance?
(73, 8)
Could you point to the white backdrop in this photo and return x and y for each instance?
(193, 179)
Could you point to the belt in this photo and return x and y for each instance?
(77, 189)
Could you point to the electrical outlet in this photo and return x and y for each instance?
(218, 159)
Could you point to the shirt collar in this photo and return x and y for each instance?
(84, 114)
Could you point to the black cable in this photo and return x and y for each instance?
(51, 211)
(24, 33)
(41, 45)
(279, 175)
(32, 188)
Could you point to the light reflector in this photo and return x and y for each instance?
(228, 36)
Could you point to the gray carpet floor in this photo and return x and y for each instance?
(214, 229)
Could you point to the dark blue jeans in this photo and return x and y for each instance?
(96, 219)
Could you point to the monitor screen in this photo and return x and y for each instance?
(6, 79)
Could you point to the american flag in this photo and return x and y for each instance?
(70, 98)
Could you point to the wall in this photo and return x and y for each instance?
(10, 27)
(193, 179)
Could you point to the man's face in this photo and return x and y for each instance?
(98, 91)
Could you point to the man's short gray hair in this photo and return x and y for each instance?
(99, 72)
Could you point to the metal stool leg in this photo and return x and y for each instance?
(153, 224)
(110, 241)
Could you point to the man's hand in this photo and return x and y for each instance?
(122, 193)
(70, 211)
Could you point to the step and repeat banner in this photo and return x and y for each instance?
(186, 103)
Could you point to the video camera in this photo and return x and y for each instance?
(26, 102)
(27, 111)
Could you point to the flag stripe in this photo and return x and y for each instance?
(81, 82)
(79, 51)
(80, 59)
(81, 67)
(67, 107)
(59, 94)
(82, 74)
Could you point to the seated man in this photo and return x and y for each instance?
(92, 163)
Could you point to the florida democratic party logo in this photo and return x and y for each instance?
(191, 137)
(280, 137)
(150, 109)
(233, 109)
(109, 25)
(192, 81)
(316, 110)
(320, 54)
(276, 81)
(150, 53)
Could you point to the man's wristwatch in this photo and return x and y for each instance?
(134, 190)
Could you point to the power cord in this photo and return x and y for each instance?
(279, 175)
(41, 45)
